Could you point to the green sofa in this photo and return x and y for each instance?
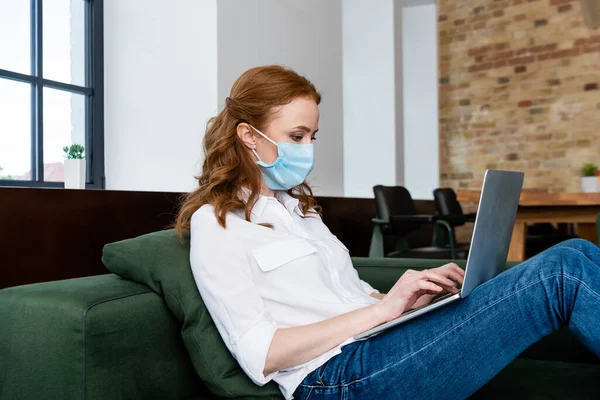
(104, 337)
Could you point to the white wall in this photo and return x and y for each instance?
(164, 78)
(421, 130)
(160, 66)
(304, 35)
(371, 96)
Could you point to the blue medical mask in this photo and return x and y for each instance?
(294, 163)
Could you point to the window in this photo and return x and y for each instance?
(51, 89)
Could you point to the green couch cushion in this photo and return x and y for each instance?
(161, 262)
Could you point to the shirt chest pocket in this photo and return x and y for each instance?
(274, 255)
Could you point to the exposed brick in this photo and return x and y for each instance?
(590, 86)
(522, 60)
(504, 55)
(524, 51)
(565, 53)
(543, 48)
(512, 157)
(565, 8)
(479, 50)
(591, 49)
(520, 17)
(520, 69)
(526, 90)
(535, 111)
(442, 18)
(544, 57)
(525, 103)
(462, 175)
(480, 67)
(584, 143)
(560, 2)
(540, 22)
(541, 137)
(459, 22)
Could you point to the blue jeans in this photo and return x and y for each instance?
(453, 351)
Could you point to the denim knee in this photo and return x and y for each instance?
(578, 244)
(561, 260)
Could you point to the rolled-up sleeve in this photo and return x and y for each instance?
(222, 271)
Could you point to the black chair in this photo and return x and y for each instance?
(397, 216)
(447, 205)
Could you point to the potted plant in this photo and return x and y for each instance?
(74, 167)
(589, 179)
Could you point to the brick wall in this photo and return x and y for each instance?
(519, 90)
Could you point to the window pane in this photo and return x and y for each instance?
(64, 40)
(15, 130)
(15, 35)
(64, 125)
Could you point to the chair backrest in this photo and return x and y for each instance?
(393, 200)
(446, 203)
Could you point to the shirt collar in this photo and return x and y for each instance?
(290, 203)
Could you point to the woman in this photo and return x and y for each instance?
(286, 300)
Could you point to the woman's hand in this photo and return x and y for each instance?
(412, 285)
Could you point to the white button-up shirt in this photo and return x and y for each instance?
(254, 280)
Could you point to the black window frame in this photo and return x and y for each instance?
(93, 90)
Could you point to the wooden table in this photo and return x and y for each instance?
(538, 206)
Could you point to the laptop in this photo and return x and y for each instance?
(489, 245)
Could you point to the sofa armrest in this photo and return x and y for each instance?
(99, 337)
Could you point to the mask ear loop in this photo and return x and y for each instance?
(256, 155)
(263, 135)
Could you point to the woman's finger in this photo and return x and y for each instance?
(444, 269)
(427, 285)
(436, 277)
(458, 269)
(456, 276)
